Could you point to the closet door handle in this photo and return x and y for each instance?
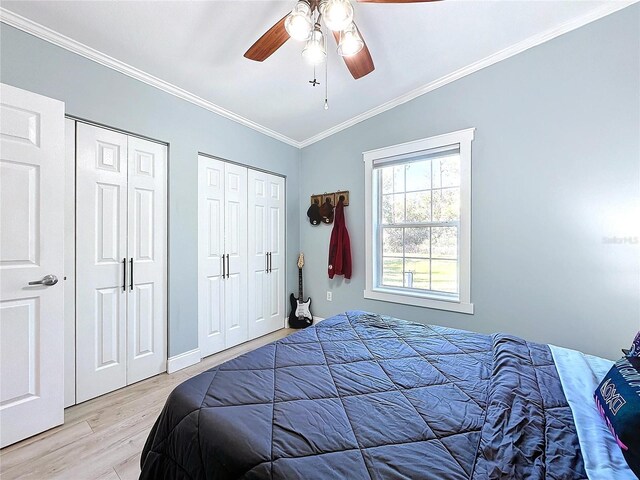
(124, 274)
(131, 273)
(269, 262)
(228, 266)
(266, 259)
(223, 267)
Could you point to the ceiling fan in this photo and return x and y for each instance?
(304, 24)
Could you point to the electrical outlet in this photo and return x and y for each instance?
(329, 296)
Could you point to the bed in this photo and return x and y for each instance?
(365, 396)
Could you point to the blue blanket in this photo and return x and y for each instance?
(363, 396)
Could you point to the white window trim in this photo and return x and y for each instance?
(463, 138)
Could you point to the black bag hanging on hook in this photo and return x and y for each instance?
(326, 211)
(314, 214)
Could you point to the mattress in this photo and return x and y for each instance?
(365, 396)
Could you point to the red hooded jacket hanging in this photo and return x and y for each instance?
(340, 245)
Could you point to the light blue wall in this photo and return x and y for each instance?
(556, 167)
(97, 93)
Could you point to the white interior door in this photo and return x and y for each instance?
(147, 248)
(276, 277)
(210, 251)
(235, 249)
(258, 242)
(101, 256)
(31, 235)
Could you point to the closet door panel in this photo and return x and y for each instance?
(101, 226)
(235, 247)
(211, 219)
(276, 304)
(147, 244)
(258, 239)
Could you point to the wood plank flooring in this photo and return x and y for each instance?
(102, 439)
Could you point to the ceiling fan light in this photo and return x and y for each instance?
(337, 14)
(350, 41)
(314, 52)
(298, 24)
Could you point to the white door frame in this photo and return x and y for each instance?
(69, 247)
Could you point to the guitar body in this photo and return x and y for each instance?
(300, 316)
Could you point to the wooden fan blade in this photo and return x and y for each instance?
(396, 1)
(268, 43)
(361, 63)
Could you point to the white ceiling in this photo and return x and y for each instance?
(199, 46)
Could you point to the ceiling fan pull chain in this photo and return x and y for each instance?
(326, 82)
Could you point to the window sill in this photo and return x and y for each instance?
(418, 301)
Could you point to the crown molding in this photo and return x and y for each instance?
(51, 36)
(45, 33)
(596, 14)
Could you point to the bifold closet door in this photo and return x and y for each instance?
(147, 248)
(210, 255)
(277, 268)
(222, 255)
(101, 258)
(266, 253)
(258, 259)
(235, 248)
(120, 260)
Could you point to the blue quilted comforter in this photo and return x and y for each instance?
(363, 396)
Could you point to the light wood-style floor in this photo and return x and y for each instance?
(103, 438)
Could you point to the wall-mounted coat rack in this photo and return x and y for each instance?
(334, 197)
(322, 206)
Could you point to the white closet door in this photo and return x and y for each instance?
(235, 249)
(276, 276)
(210, 250)
(258, 241)
(101, 255)
(31, 239)
(147, 248)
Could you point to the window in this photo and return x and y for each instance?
(418, 242)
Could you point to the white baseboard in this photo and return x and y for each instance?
(317, 319)
(183, 360)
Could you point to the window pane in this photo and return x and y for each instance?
(418, 207)
(419, 175)
(392, 242)
(392, 272)
(446, 204)
(387, 209)
(416, 273)
(398, 178)
(444, 242)
(446, 172)
(444, 275)
(393, 208)
(387, 179)
(416, 242)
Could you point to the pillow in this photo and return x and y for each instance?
(618, 401)
(634, 351)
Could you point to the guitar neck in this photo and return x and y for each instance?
(300, 284)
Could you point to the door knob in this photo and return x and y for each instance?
(47, 280)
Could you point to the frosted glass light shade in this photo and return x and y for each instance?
(350, 41)
(314, 52)
(298, 24)
(336, 14)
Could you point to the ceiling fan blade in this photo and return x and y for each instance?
(361, 63)
(396, 1)
(268, 43)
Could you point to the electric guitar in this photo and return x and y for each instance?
(300, 316)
